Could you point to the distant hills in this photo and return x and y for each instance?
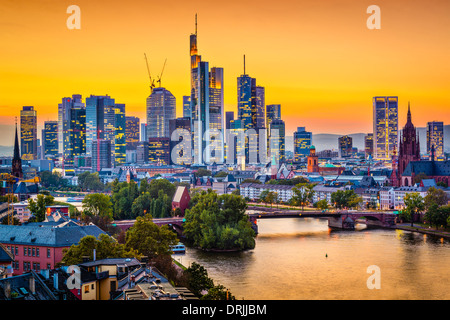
(324, 141)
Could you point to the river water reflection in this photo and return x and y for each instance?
(303, 259)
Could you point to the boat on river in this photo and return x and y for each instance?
(179, 248)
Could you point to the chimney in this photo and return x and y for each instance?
(32, 284)
(7, 290)
(94, 255)
(55, 281)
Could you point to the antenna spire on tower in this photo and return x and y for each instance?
(244, 64)
(195, 24)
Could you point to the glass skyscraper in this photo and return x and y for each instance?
(120, 139)
(345, 144)
(100, 116)
(101, 154)
(161, 108)
(132, 132)
(50, 139)
(302, 143)
(273, 112)
(277, 144)
(206, 107)
(186, 106)
(435, 138)
(28, 133)
(385, 127)
(64, 114)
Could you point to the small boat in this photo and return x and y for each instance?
(179, 248)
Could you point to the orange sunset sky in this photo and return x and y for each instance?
(317, 59)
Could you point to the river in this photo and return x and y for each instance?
(297, 259)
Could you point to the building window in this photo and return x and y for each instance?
(48, 253)
(29, 252)
(86, 289)
(49, 266)
(24, 251)
(37, 252)
(34, 252)
(16, 251)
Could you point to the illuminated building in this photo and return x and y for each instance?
(100, 116)
(50, 138)
(74, 133)
(159, 150)
(385, 127)
(28, 133)
(368, 145)
(186, 106)
(132, 132)
(277, 145)
(206, 107)
(142, 152)
(258, 106)
(345, 146)
(302, 143)
(120, 141)
(180, 153)
(161, 109)
(143, 133)
(313, 160)
(435, 138)
(244, 92)
(64, 108)
(101, 154)
(273, 112)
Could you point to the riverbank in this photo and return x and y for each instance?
(422, 229)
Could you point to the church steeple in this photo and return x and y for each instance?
(17, 161)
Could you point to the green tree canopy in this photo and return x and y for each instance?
(302, 194)
(149, 239)
(105, 247)
(414, 204)
(345, 199)
(37, 207)
(219, 222)
(98, 204)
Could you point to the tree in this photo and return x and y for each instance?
(37, 208)
(98, 204)
(198, 279)
(419, 177)
(302, 194)
(322, 204)
(218, 292)
(219, 222)
(268, 196)
(221, 174)
(345, 199)
(435, 196)
(413, 205)
(105, 247)
(149, 239)
(203, 173)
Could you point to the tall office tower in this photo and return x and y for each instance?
(16, 169)
(120, 139)
(74, 133)
(180, 152)
(368, 145)
(186, 106)
(302, 143)
(345, 146)
(277, 144)
(244, 98)
(435, 138)
(273, 112)
(28, 133)
(161, 108)
(132, 132)
(159, 150)
(100, 116)
(143, 133)
(206, 105)
(229, 116)
(142, 152)
(64, 107)
(101, 154)
(50, 139)
(385, 127)
(258, 106)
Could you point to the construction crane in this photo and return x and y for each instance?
(160, 76)
(8, 181)
(152, 82)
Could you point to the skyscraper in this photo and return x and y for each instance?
(302, 143)
(100, 116)
(277, 144)
(161, 108)
(159, 150)
(64, 114)
(435, 138)
(368, 145)
(186, 106)
(50, 139)
(101, 154)
(28, 133)
(120, 141)
(180, 152)
(385, 127)
(132, 132)
(74, 133)
(345, 144)
(273, 112)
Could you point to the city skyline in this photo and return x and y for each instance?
(327, 87)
